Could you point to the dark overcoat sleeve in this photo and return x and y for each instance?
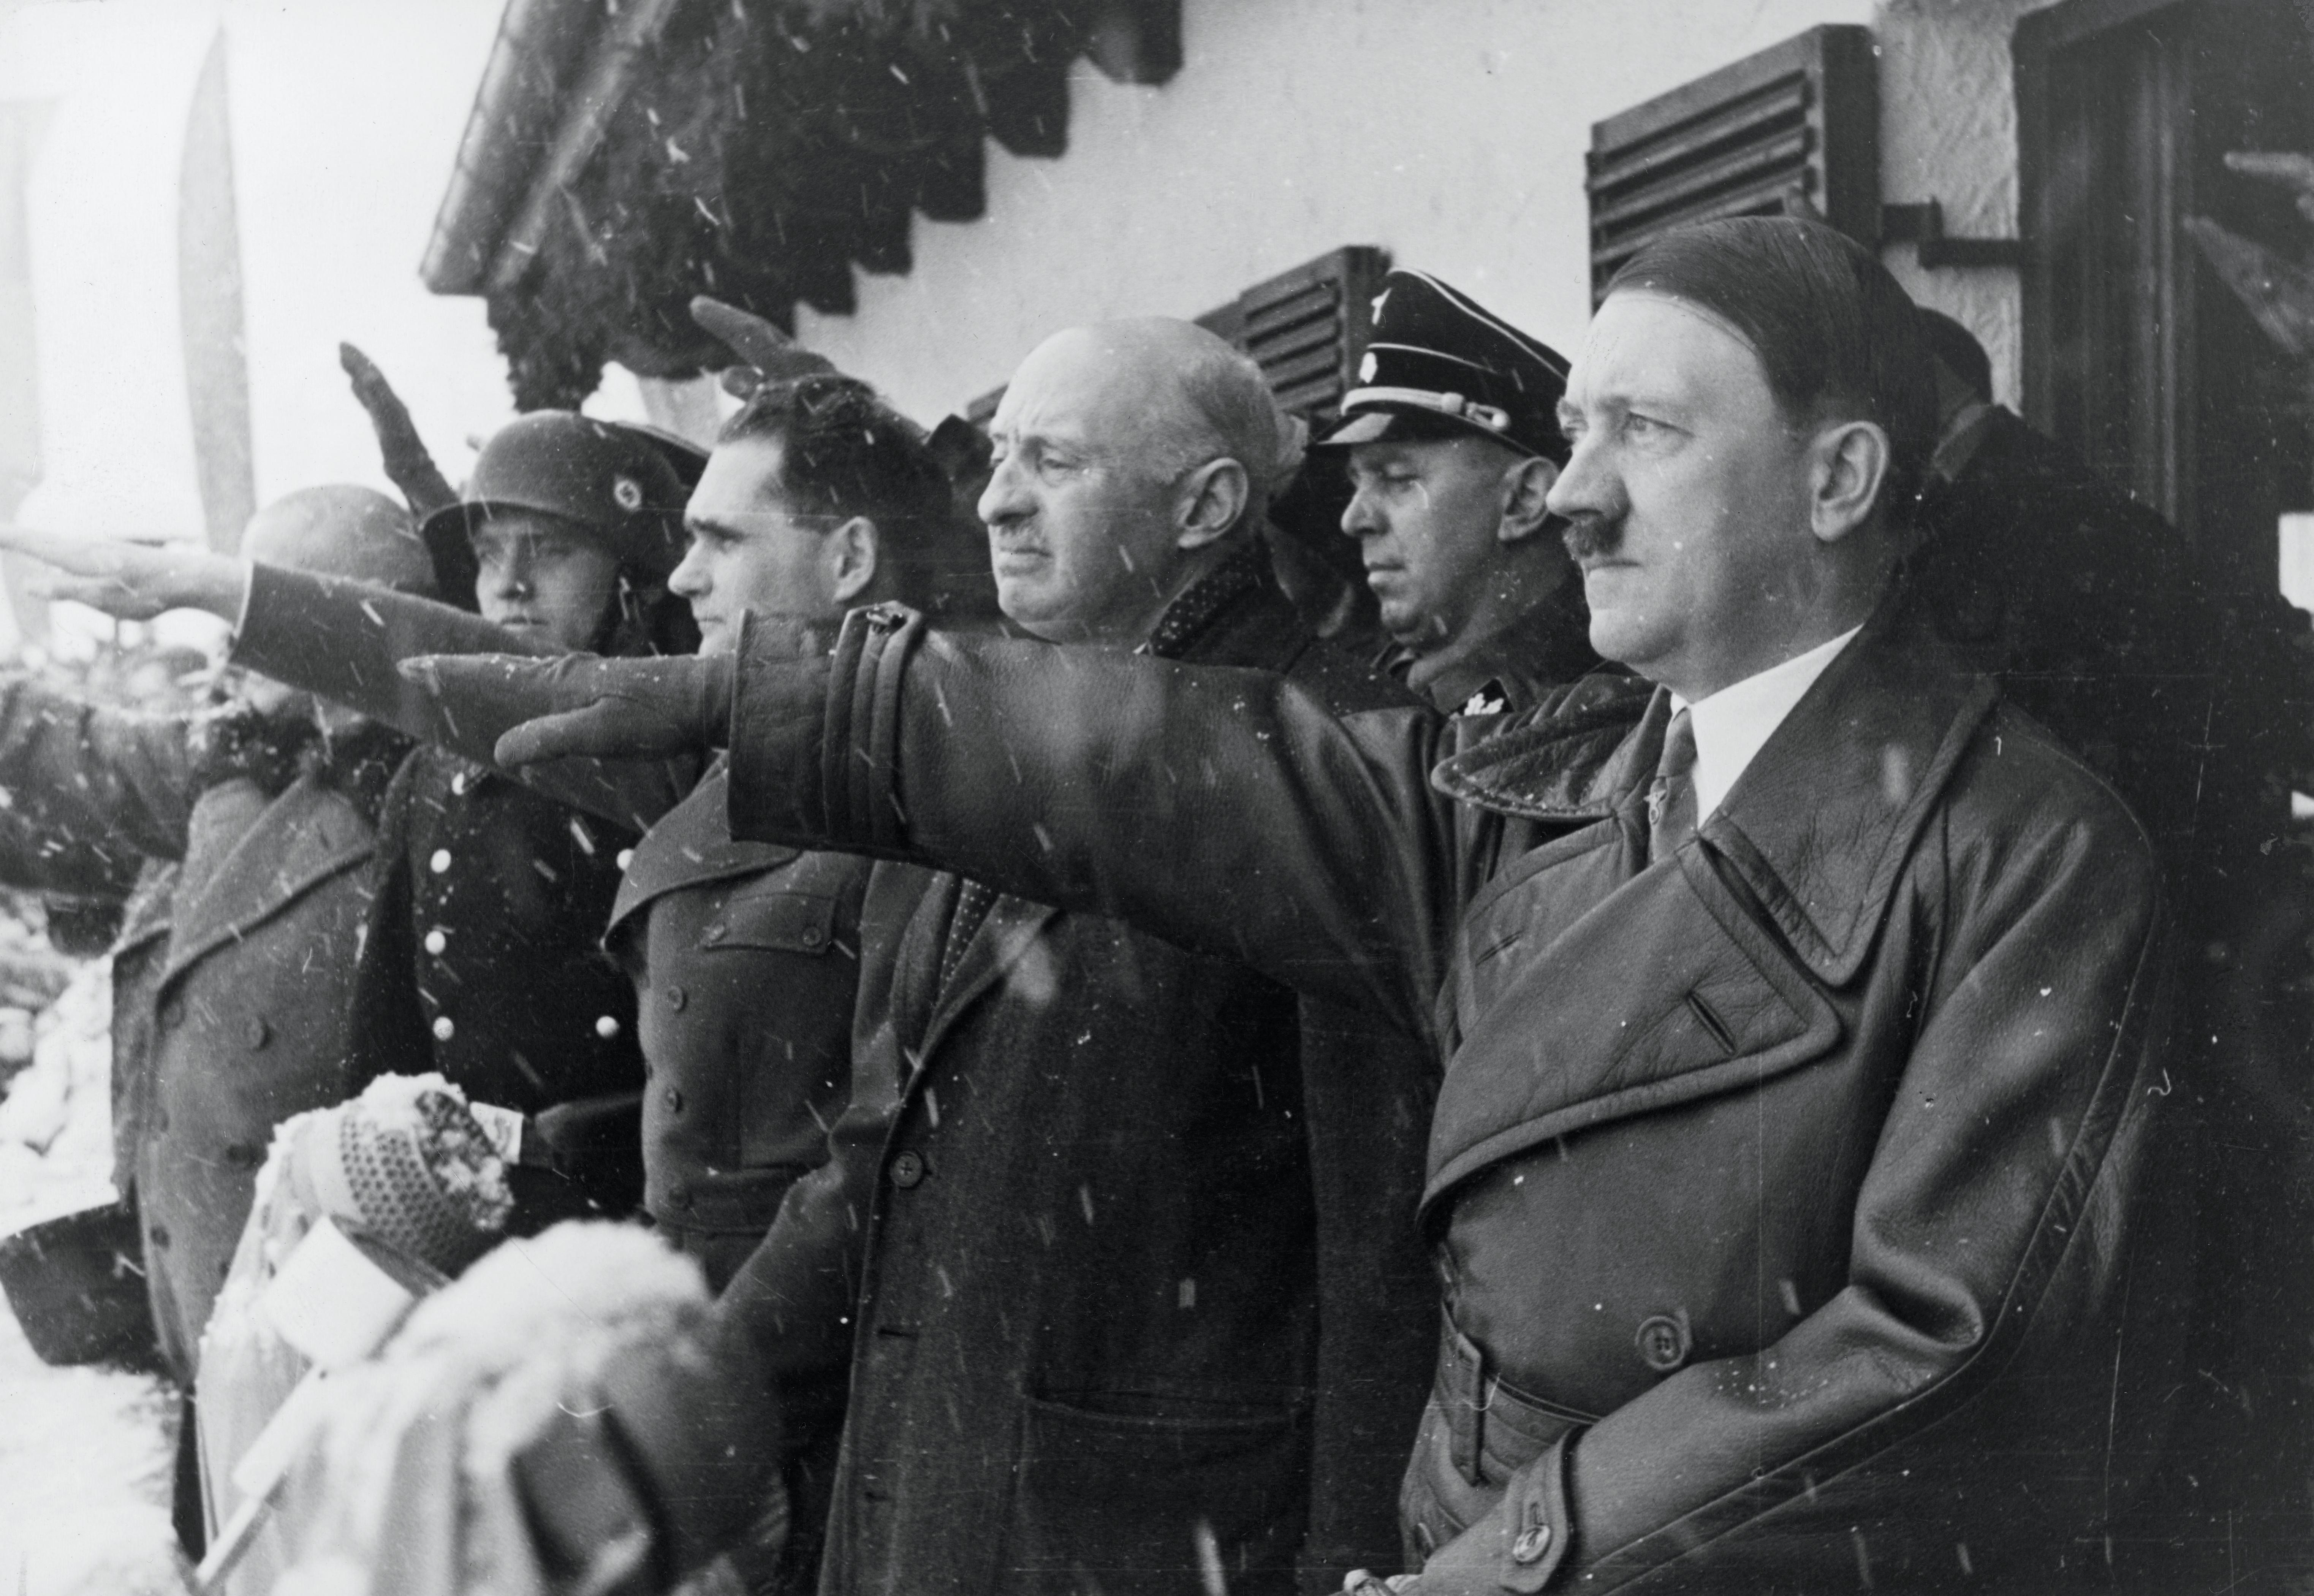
(1223, 809)
(90, 791)
(343, 641)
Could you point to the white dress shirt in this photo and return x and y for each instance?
(1734, 723)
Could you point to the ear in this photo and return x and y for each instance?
(852, 554)
(1526, 486)
(1850, 464)
(1212, 500)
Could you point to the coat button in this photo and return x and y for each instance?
(256, 1032)
(714, 933)
(672, 1097)
(1532, 1542)
(676, 997)
(173, 1013)
(606, 1026)
(436, 941)
(626, 858)
(444, 1029)
(160, 1235)
(1663, 1342)
(908, 1170)
(813, 936)
(679, 1194)
(161, 1121)
(440, 862)
(458, 783)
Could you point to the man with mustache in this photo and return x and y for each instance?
(1452, 442)
(1793, 1179)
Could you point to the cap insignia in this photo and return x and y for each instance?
(1368, 366)
(627, 492)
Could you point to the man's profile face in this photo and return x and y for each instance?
(541, 575)
(1081, 532)
(1688, 489)
(750, 549)
(1428, 514)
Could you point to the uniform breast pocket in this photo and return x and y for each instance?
(784, 922)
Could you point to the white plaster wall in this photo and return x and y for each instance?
(1949, 133)
(1451, 132)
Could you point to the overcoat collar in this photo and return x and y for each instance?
(308, 835)
(1232, 615)
(690, 846)
(1819, 824)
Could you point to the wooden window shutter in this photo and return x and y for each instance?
(1306, 328)
(1795, 128)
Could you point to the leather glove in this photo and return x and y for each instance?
(674, 1460)
(585, 706)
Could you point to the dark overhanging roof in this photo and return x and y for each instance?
(623, 156)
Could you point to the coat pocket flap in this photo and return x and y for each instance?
(1665, 992)
(790, 922)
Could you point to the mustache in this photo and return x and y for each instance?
(1592, 534)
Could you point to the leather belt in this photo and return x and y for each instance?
(1493, 1428)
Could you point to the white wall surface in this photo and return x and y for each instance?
(1451, 132)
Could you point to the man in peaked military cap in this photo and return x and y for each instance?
(1452, 441)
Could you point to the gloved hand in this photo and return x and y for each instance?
(585, 706)
(677, 1459)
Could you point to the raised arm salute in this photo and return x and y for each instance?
(1792, 1180)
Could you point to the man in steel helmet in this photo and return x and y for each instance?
(492, 897)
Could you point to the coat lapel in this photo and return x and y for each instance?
(1002, 942)
(303, 837)
(1779, 897)
(690, 846)
(1820, 824)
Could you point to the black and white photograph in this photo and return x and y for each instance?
(1156, 797)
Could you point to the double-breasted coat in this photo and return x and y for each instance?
(484, 961)
(250, 979)
(1795, 1196)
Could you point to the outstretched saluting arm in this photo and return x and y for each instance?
(1223, 809)
(341, 641)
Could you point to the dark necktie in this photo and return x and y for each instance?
(1671, 800)
(972, 906)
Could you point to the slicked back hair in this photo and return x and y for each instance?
(1227, 410)
(846, 453)
(1838, 340)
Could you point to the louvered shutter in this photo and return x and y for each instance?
(1793, 129)
(1307, 327)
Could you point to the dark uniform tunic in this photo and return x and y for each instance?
(746, 955)
(745, 958)
(484, 960)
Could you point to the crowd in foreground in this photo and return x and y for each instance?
(1655, 1063)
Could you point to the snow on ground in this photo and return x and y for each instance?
(85, 1453)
